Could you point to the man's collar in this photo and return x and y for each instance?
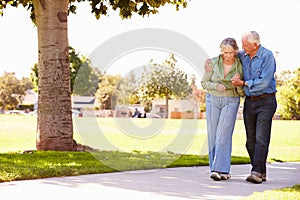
(258, 53)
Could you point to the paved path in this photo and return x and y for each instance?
(165, 184)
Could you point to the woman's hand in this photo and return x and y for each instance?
(221, 87)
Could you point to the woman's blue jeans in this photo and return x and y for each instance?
(258, 121)
(220, 116)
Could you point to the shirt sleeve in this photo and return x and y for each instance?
(240, 89)
(261, 82)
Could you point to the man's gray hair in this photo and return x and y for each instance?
(252, 37)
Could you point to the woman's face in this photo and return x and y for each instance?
(228, 54)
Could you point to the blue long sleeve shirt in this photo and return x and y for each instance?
(259, 72)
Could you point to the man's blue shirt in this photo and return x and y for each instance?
(259, 72)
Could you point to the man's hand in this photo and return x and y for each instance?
(236, 80)
(208, 66)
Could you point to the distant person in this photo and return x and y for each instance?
(260, 105)
(136, 113)
(222, 103)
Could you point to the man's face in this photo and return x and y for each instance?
(249, 48)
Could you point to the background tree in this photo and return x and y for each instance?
(27, 83)
(54, 123)
(198, 94)
(165, 81)
(282, 77)
(127, 90)
(34, 76)
(84, 78)
(107, 92)
(288, 95)
(75, 65)
(12, 91)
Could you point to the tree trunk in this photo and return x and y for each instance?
(167, 105)
(54, 125)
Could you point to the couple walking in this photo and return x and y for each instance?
(233, 74)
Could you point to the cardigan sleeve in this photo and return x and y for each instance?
(207, 83)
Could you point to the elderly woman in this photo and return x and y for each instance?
(222, 103)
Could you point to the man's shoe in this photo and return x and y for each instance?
(264, 177)
(255, 177)
(215, 176)
(225, 176)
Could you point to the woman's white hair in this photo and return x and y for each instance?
(231, 43)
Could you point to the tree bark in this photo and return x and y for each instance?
(167, 104)
(54, 125)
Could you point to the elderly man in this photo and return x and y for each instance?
(260, 104)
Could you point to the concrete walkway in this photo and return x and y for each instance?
(165, 184)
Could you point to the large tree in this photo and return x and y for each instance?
(54, 129)
(84, 78)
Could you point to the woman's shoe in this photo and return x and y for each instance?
(225, 176)
(215, 176)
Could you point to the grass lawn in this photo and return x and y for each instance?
(18, 133)
(291, 193)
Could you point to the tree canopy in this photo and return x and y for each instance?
(101, 7)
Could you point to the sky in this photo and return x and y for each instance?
(205, 23)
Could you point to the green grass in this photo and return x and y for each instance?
(291, 193)
(124, 149)
(48, 164)
(18, 133)
(42, 164)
